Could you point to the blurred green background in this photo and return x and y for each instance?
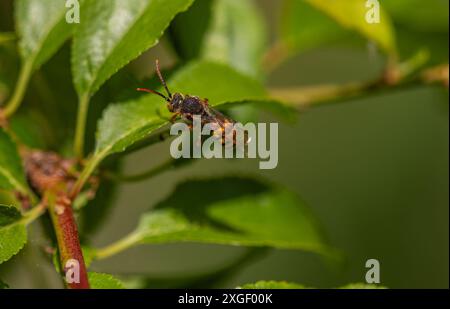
(374, 170)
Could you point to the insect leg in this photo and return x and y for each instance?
(173, 118)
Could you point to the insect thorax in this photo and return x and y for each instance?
(191, 105)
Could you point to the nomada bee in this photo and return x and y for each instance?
(187, 106)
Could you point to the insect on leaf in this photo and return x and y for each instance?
(126, 123)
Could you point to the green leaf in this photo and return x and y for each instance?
(8, 215)
(281, 109)
(312, 23)
(12, 176)
(360, 286)
(42, 29)
(12, 236)
(432, 17)
(233, 211)
(114, 32)
(290, 285)
(237, 36)
(126, 123)
(272, 285)
(3, 285)
(218, 82)
(303, 27)
(104, 281)
(228, 31)
(351, 14)
(12, 239)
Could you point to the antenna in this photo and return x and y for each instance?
(154, 92)
(158, 71)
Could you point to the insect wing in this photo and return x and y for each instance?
(224, 121)
(214, 115)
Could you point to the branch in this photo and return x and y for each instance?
(66, 231)
(277, 54)
(130, 240)
(51, 177)
(33, 213)
(304, 97)
(84, 176)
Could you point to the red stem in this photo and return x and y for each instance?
(68, 243)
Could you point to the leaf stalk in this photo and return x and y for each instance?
(80, 129)
(19, 91)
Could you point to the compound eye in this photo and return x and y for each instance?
(176, 100)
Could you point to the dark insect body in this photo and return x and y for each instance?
(188, 106)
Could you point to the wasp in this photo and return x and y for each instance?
(186, 106)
